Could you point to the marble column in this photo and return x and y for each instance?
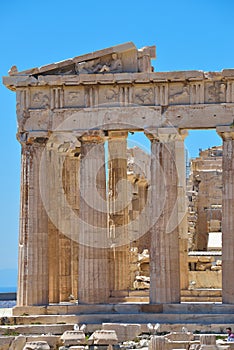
(63, 190)
(71, 187)
(52, 170)
(182, 209)
(93, 252)
(164, 250)
(59, 241)
(65, 256)
(33, 282)
(118, 208)
(227, 135)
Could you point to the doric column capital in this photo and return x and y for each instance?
(165, 135)
(117, 134)
(226, 132)
(34, 137)
(93, 136)
(63, 142)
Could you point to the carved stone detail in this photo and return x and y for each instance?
(144, 95)
(39, 99)
(215, 92)
(111, 65)
(179, 94)
(125, 95)
(230, 92)
(196, 93)
(91, 96)
(74, 97)
(161, 94)
(112, 94)
(57, 98)
(22, 105)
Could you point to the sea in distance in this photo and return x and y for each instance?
(7, 303)
(8, 289)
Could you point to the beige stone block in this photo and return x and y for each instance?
(37, 345)
(53, 340)
(200, 266)
(123, 331)
(144, 256)
(74, 96)
(206, 259)
(73, 338)
(207, 339)
(28, 310)
(103, 337)
(206, 279)
(216, 268)
(18, 343)
(213, 347)
(158, 343)
(5, 342)
(180, 336)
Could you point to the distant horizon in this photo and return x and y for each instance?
(10, 289)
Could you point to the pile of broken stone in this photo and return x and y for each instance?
(123, 337)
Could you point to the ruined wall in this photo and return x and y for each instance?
(204, 197)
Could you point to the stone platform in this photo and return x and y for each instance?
(196, 317)
(205, 295)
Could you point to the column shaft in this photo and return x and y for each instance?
(73, 197)
(53, 230)
(62, 199)
(228, 216)
(93, 254)
(33, 288)
(64, 237)
(164, 251)
(118, 206)
(182, 210)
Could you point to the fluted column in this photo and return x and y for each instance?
(118, 207)
(182, 209)
(59, 241)
(227, 135)
(93, 252)
(65, 286)
(164, 250)
(71, 187)
(33, 282)
(61, 201)
(54, 163)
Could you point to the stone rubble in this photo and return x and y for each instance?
(107, 339)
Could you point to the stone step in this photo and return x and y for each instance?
(183, 319)
(124, 308)
(193, 295)
(198, 293)
(204, 323)
(33, 329)
(185, 298)
(191, 299)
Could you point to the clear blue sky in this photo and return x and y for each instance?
(191, 34)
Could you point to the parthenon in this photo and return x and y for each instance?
(76, 232)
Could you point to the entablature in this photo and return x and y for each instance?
(118, 82)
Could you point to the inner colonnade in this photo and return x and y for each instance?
(75, 227)
(85, 237)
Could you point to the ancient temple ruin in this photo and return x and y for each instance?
(204, 190)
(78, 217)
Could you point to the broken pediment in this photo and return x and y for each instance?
(116, 59)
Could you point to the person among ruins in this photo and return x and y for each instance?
(230, 334)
